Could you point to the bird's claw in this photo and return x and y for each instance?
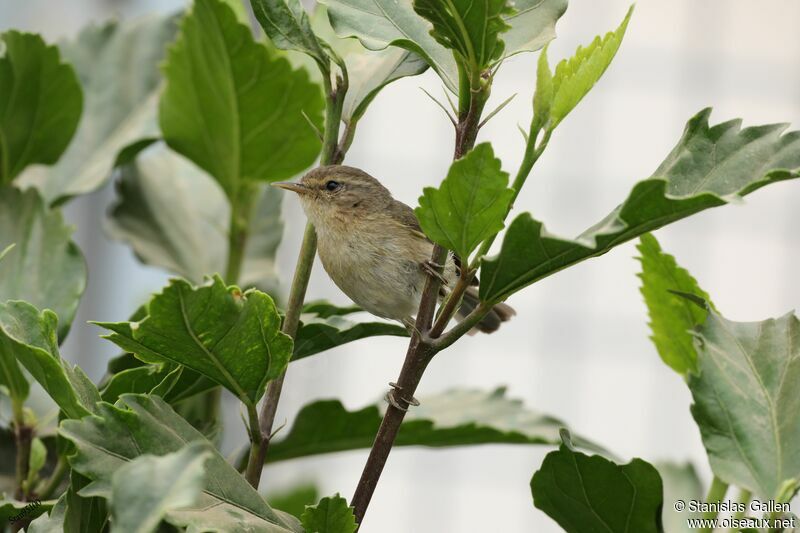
(393, 400)
(432, 269)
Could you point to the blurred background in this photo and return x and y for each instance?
(578, 348)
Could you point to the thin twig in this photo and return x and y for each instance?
(496, 110)
(446, 112)
(313, 126)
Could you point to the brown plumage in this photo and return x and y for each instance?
(372, 246)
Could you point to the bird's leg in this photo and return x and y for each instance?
(392, 398)
(411, 326)
(432, 269)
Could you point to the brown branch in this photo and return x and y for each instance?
(420, 348)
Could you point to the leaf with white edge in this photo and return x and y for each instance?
(709, 167)
(574, 77)
(470, 204)
(40, 103)
(371, 71)
(744, 404)
(141, 424)
(671, 316)
(382, 23)
(117, 63)
(681, 482)
(232, 106)
(45, 267)
(533, 24)
(176, 216)
(144, 490)
(330, 515)
(287, 25)
(590, 493)
(233, 338)
(30, 336)
(318, 333)
(453, 418)
(470, 29)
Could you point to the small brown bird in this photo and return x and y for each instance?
(372, 246)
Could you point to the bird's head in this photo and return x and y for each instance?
(340, 192)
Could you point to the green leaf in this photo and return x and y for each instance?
(533, 24)
(176, 217)
(330, 515)
(382, 23)
(671, 316)
(681, 482)
(74, 513)
(141, 425)
(743, 401)
(144, 490)
(371, 71)
(117, 63)
(575, 77)
(590, 493)
(36, 460)
(174, 383)
(543, 97)
(12, 511)
(45, 268)
(233, 338)
(709, 167)
(469, 206)
(453, 418)
(40, 104)
(234, 108)
(12, 380)
(295, 499)
(471, 29)
(52, 523)
(30, 336)
(287, 25)
(321, 332)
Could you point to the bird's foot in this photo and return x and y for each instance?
(392, 398)
(432, 269)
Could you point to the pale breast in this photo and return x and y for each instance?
(377, 265)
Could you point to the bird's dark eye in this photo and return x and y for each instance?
(332, 185)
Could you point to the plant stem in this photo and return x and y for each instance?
(716, 493)
(253, 472)
(420, 351)
(333, 152)
(48, 487)
(744, 497)
(23, 437)
(241, 212)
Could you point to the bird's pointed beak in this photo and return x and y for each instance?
(293, 186)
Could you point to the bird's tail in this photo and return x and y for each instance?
(491, 322)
